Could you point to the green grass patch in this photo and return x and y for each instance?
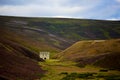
(89, 76)
(58, 70)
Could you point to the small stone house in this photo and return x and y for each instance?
(44, 55)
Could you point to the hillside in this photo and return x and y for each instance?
(60, 33)
(18, 62)
(27, 40)
(21, 39)
(105, 53)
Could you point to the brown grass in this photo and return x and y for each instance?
(90, 48)
(103, 53)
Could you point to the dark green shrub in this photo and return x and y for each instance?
(112, 77)
(65, 73)
(103, 70)
(73, 76)
(85, 75)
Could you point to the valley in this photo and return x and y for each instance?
(80, 49)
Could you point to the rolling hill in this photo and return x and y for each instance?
(22, 38)
(60, 33)
(104, 53)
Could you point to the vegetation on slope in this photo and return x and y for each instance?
(104, 53)
(27, 41)
(18, 63)
(21, 38)
(60, 32)
(111, 61)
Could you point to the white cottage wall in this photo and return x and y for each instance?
(45, 55)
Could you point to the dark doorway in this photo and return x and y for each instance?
(44, 58)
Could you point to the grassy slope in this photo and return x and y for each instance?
(105, 53)
(61, 33)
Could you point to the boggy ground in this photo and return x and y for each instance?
(68, 70)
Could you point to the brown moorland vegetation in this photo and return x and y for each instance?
(18, 62)
(103, 53)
